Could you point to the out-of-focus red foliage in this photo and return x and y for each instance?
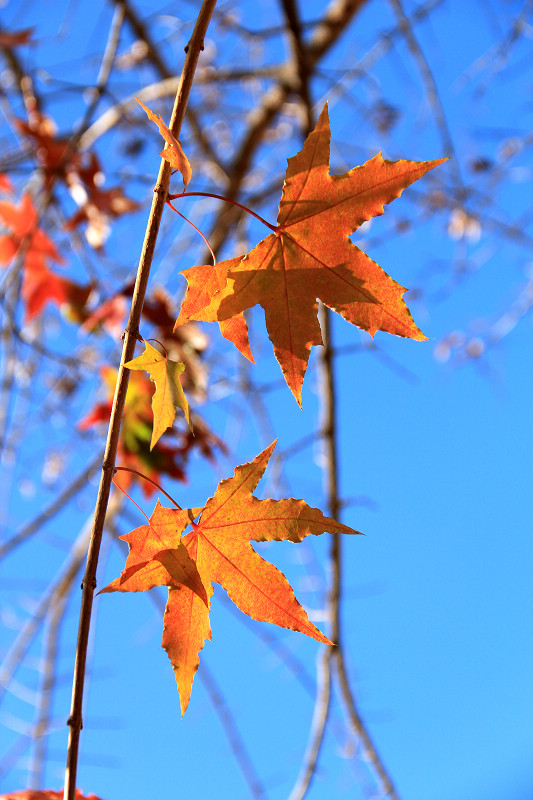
(46, 794)
(40, 284)
(5, 184)
(168, 458)
(60, 159)
(186, 344)
(96, 206)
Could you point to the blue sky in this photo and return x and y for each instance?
(435, 453)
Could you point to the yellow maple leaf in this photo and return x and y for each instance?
(168, 390)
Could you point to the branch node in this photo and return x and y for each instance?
(134, 332)
(186, 48)
(75, 721)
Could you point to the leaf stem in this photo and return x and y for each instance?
(75, 720)
(273, 228)
(124, 492)
(166, 356)
(146, 478)
(196, 229)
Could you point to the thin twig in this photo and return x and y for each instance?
(294, 25)
(335, 595)
(145, 478)
(325, 34)
(360, 728)
(286, 657)
(432, 92)
(269, 225)
(318, 725)
(130, 337)
(236, 742)
(104, 73)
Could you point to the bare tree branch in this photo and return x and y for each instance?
(318, 725)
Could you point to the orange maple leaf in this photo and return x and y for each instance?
(173, 152)
(168, 390)
(219, 545)
(205, 283)
(309, 256)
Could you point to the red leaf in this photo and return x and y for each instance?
(47, 794)
(5, 184)
(55, 155)
(21, 219)
(42, 286)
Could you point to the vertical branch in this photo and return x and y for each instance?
(318, 725)
(329, 406)
(293, 24)
(130, 336)
(360, 729)
(324, 677)
(328, 387)
(105, 70)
